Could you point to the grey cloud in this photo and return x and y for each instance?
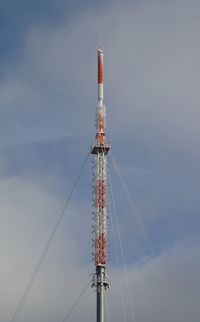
(164, 287)
(28, 214)
(151, 60)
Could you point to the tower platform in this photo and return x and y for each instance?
(99, 148)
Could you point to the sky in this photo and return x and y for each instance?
(48, 97)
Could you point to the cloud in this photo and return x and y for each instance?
(151, 58)
(28, 214)
(151, 93)
(166, 286)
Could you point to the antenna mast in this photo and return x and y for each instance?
(100, 150)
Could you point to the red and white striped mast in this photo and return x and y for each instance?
(100, 150)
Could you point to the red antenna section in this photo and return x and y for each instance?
(100, 66)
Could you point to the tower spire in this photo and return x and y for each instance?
(100, 150)
(100, 40)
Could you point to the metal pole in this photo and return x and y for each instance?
(101, 286)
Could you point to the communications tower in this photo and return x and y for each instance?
(100, 150)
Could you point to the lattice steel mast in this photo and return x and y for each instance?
(100, 149)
